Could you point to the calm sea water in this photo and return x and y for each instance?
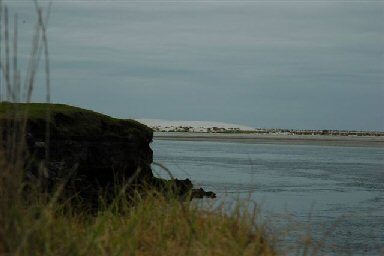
(335, 194)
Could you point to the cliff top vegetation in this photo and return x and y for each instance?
(65, 120)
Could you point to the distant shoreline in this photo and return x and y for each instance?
(324, 140)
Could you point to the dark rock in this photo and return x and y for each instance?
(201, 193)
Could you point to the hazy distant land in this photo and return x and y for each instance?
(330, 140)
(224, 132)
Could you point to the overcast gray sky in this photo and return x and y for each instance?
(288, 64)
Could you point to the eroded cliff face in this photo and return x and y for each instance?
(91, 150)
(108, 149)
(92, 153)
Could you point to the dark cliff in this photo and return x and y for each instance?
(92, 150)
(89, 151)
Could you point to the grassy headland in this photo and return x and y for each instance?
(37, 223)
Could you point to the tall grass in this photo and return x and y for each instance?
(35, 223)
(154, 226)
(14, 209)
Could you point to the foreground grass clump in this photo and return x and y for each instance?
(153, 226)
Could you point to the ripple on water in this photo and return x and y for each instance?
(335, 192)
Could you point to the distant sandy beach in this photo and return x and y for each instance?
(353, 141)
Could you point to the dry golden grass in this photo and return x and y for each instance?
(153, 225)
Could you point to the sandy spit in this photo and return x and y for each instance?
(353, 141)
